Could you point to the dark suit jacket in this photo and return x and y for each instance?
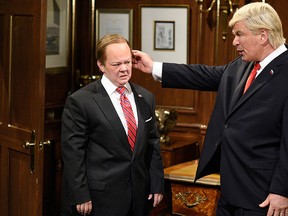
(98, 162)
(249, 132)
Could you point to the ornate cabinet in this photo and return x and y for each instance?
(184, 196)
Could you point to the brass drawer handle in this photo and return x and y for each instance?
(198, 199)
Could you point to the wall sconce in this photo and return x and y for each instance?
(224, 8)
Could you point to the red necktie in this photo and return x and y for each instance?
(129, 116)
(252, 76)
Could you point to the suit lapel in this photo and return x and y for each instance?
(103, 101)
(241, 80)
(270, 71)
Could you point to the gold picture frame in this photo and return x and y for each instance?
(114, 21)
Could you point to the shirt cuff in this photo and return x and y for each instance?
(157, 71)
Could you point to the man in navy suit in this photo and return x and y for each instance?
(247, 135)
(104, 174)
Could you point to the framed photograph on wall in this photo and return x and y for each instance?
(165, 32)
(58, 33)
(114, 21)
(164, 35)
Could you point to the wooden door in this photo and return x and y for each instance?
(22, 89)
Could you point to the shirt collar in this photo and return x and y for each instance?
(281, 49)
(110, 87)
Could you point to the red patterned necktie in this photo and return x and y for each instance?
(252, 76)
(129, 116)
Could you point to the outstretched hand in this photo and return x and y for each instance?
(142, 61)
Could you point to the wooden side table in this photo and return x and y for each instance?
(179, 151)
(184, 197)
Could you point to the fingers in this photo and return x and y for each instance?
(277, 212)
(136, 57)
(278, 205)
(150, 196)
(264, 203)
(84, 208)
(281, 213)
(157, 199)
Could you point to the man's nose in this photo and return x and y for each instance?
(235, 41)
(123, 67)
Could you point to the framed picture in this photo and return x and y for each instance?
(58, 33)
(165, 32)
(164, 35)
(114, 21)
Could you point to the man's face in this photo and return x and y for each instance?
(248, 44)
(118, 65)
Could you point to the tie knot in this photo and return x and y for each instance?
(121, 90)
(257, 66)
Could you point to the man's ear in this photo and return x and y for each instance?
(101, 66)
(264, 35)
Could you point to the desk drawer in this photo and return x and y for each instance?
(198, 200)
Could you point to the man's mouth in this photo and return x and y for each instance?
(240, 52)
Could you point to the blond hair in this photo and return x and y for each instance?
(105, 41)
(257, 16)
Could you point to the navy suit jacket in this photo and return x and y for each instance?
(98, 162)
(247, 135)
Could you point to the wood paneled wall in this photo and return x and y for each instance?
(194, 107)
(206, 46)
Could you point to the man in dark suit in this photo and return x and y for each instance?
(111, 169)
(247, 135)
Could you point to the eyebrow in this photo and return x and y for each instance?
(237, 31)
(116, 62)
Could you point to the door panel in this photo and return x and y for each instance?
(22, 92)
(22, 65)
(3, 88)
(20, 180)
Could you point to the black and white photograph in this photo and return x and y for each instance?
(57, 33)
(164, 34)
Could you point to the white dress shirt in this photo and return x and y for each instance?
(115, 98)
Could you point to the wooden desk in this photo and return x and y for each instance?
(184, 197)
(179, 151)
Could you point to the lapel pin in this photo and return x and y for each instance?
(271, 72)
(139, 95)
